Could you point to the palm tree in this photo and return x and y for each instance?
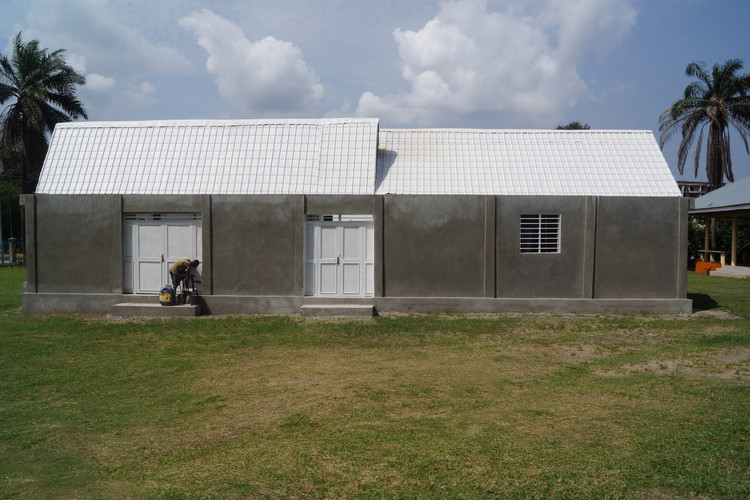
(718, 99)
(40, 88)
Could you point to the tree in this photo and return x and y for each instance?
(573, 126)
(718, 99)
(40, 89)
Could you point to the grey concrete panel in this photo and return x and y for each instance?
(254, 244)
(162, 204)
(78, 239)
(206, 248)
(341, 204)
(237, 304)
(532, 306)
(434, 246)
(638, 248)
(682, 259)
(490, 246)
(299, 246)
(28, 201)
(378, 215)
(69, 303)
(554, 275)
(589, 248)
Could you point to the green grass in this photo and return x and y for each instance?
(513, 406)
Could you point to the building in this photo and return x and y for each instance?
(729, 202)
(293, 214)
(693, 189)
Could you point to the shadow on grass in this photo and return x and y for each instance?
(702, 301)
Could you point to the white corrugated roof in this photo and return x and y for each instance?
(212, 157)
(523, 162)
(347, 156)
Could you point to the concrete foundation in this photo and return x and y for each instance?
(40, 303)
(128, 310)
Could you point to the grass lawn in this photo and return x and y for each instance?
(513, 406)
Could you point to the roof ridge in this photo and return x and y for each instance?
(214, 122)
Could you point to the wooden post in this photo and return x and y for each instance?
(734, 240)
(707, 245)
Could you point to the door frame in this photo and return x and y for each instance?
(131, 257)
(313, 263)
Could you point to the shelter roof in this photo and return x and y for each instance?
(347, 156)
(730, 198)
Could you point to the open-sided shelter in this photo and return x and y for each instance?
(293, 214)
(729, 202)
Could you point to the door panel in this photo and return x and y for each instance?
(150, 241)
(149, 277)
(350, 279)
(351, 243)
(328, 242)
(328, 279)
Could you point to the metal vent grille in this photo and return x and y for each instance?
(540, 233)
(338, 218)
(162, 217)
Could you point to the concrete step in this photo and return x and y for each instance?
(732, 272)
(353, 310)
(128, 310)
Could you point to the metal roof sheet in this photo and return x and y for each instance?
(347, 156)
(523, 162)
(730, 197)
(212, 157)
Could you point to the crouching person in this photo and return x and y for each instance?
(181, 269)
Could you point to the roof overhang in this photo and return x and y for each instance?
(725, 211)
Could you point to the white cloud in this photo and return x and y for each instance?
(147, 88)
(77, 62)
(268, 76)
(97, 37)
(518, 66)
(99, 83)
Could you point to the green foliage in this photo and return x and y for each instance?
(37, 90)
(10, 190)
(427, 406)
(723, 235)
(696, 239)
(719, 99)
(573, 126)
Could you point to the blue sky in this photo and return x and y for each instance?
(615, 64)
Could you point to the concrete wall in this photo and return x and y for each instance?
(434, 246)
(256, 244)
(77, 244)
(555, 275)
(641, 248)
(425, 247)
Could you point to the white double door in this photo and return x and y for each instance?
(151, 244)
(339, 259)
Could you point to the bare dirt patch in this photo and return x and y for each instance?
(734, 355)
(713, 313)
(728, 364)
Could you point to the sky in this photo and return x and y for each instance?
(614, 64)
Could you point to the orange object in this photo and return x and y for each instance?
(704, 267)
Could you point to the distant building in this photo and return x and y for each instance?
(693, 189)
